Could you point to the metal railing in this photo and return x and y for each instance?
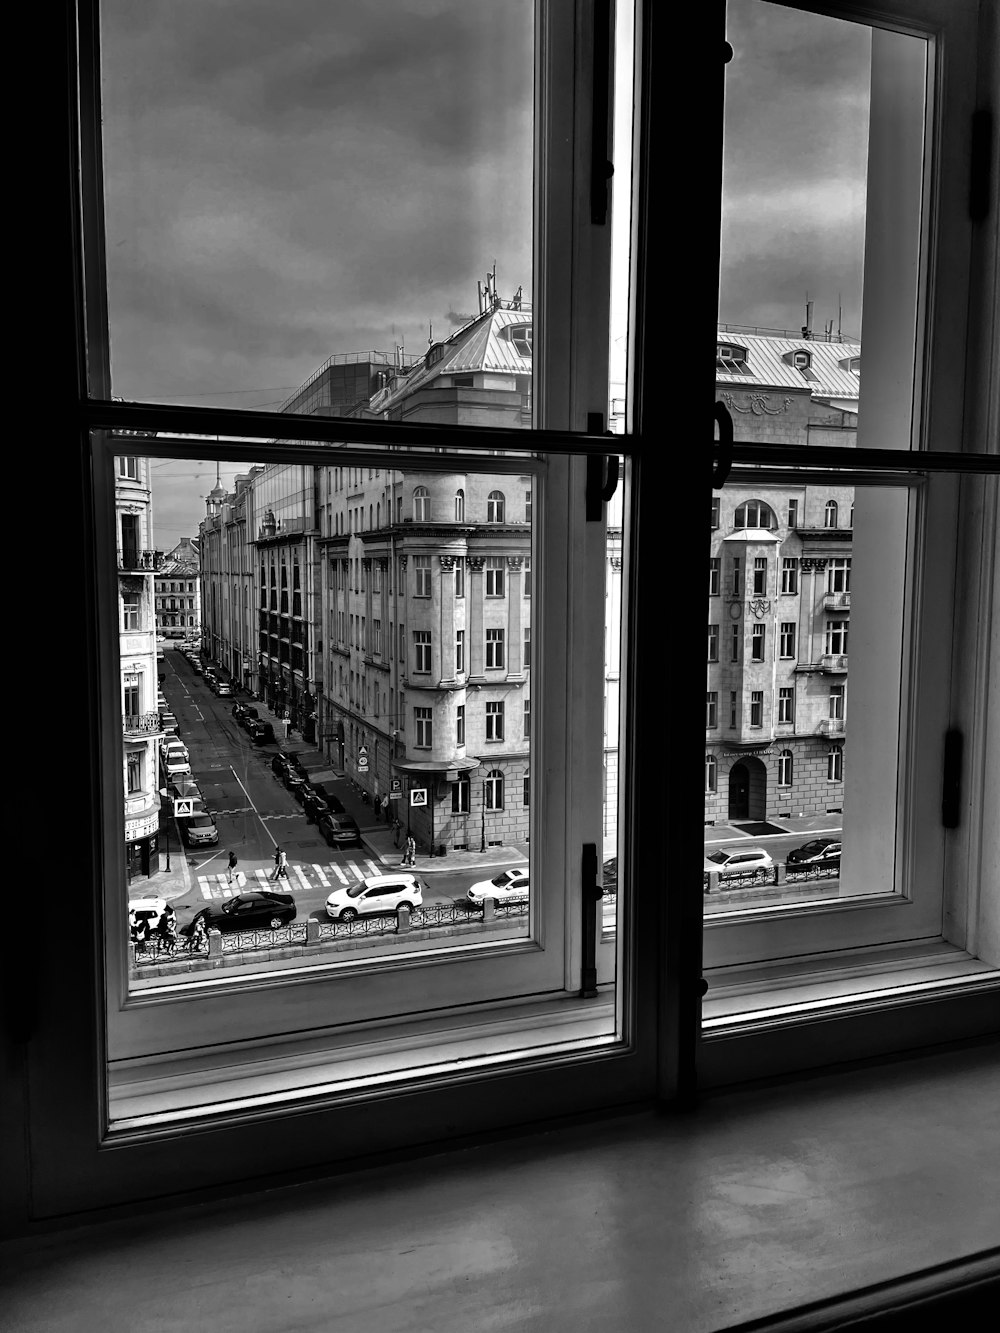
(141, 724)
(131, 557)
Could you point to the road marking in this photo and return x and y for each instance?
(252, 806)
(357, 871)
(261, 878)
(203, 884)
(302, 876)
(375, 870)
(321, 877)
(339, 873)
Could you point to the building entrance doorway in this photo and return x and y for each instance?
(748, 789)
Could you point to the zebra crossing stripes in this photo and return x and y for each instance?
(340, 874)
(321, 876)
(216, 886)
(302, 876)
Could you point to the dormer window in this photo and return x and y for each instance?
(434, 354)
(731, 358)
(520, 337)
(852, 363)
(801, 360)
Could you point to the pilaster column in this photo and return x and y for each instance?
(445, 647)
(514, 645)
(474, 593)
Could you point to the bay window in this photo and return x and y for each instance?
(559, 1011)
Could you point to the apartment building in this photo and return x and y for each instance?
(779, 586)
(178, 591)
(137, 565)
(228, 621)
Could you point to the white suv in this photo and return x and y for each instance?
(738, 860)
(377, 893)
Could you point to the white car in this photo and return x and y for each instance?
(175, 764)
(377, 893)
(148, 911)
(508, 884)
(174, 745)
(738, 860)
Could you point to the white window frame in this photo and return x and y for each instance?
(422, 576)
(496, 507)
(786, 703)
(713, 643)
(423, 727)
(494, 573)
(421, 651)
(494, 718)
(496, 656)
(787, 636)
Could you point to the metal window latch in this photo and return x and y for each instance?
(602, 472)
(591, 895)
(951, 782)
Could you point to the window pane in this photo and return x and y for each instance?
(290, 188)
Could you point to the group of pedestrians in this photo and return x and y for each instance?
(382, 807)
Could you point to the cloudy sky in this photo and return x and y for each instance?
(286, 181)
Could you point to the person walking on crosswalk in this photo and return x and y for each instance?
(277, 861)
(232, 866)
(282, 869)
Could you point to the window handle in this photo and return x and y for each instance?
(601, 168)
(724, 461)
(591, 896)
(602, 471)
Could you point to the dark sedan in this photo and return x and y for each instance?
(325, 790)
(243, 712)
(247, 911)
(279, 764)
(292, 779)
(818, 852)
(314, 806)
(260, 732)
(339, 830)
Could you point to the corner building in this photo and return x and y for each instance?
(780, 587)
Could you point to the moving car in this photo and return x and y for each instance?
(509, 884)
(818, 851)
(148, 911)
(247, 911)
(738, 860)
(198, 830)
(260, 732)
(374, 895)
(339, 830)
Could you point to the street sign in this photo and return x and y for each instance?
(395, 785)
(362, 763)
(395, 795)
(184, 806)
(418, 795)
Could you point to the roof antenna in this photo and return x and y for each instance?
(430, 334)
(840, 316)
(807, 326)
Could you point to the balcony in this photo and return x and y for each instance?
(837, 601)
(833, 663)
(141, 725)
(131, 558)
(832, 726)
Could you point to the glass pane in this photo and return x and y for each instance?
(325, 677)
(822, 216)
(339, 186)
(806, 674)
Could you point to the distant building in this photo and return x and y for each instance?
(141, 731)
(178, 591)
(779, 587)
(228, 599)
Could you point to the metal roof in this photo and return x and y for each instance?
(768, 370)
(480, 345)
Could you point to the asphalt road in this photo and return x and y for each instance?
(255, 813)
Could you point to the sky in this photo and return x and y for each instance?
(288, 181)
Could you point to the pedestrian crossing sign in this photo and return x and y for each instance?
(184, 806)
(418, 795)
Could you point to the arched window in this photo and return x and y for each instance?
(495, 507)
(711, 773)
(785, 768)
(753, 514)
(460, 506)
(830, 514)
(493, 789)
(421, 505)
(369, 516)
(835, 764)
(378, 514)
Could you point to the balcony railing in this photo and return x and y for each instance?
(130, 557)
(832, 726)
(833, 662)
(141, 724)
(837, 601)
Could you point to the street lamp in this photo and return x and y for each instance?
(482, 844)
(166, 833)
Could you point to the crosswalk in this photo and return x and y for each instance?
(300, 877)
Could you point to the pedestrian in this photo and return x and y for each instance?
(277, 862)
(168, 932)
(198, 936)
(411, 851)
(385, 807)
(232, 866)
(286, 722)
(282, 866)
(397, 829)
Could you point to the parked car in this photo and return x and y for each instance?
(182, 786)
(223, 689)
(184, 806)
(738, 860)
(374, 895)
(818, 851)
(292, 779)
(339, 830)
(169, 723)
(313, 805)
(508, 884)
(174, 764)
(198, 830)
(197, 667)
(260, 732)
(242, 712)
(325, 789)
(211, 679)
(174, 745)
(297, 763)
(279, 764)
(302, 790)
(247, 911)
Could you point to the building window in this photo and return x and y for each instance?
(760, 576)
(494, 648)
(785, 768)
(830, 514)
(787, 647)
(716, 510)
(460, 725)
(460, 796)
(460, 506)
(422, 718)
(493, 790)
(736, 579)
(786, 704)
(793, 513)
(526, 720)
(838, 575)
(713, 643)
(753, 514)
(789, 575)
(129, 467)
(495, 567)
(835, 764)
(732, 709)
(712, 708)
(460, 576)
(713, 576)
(422, 651)
(757, 708)
(495, 505)
(735, 634)
(836, 637)
(421, 504)
(520, 338)
(757, 642)
(526, 790)
(130, 615)
(422, 575)
(402, 643)
(526, 648)
(527, 506)
(459, 652)
(527, 576)
(494, 722)
(837, 693)
(133, 766)
(711, 773)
